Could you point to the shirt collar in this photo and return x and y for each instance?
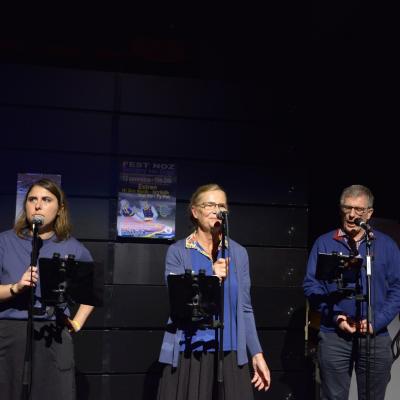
(340, 234)
(191, 243)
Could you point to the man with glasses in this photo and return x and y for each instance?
(343, 328)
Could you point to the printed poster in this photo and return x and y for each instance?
(147, 200)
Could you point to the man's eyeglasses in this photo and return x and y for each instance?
(358, 210)
(211, 206)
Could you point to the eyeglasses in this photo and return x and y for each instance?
(358, 210)
(211, 206)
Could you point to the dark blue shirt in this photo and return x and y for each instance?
(15, 257)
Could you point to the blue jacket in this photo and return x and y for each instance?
(385, 283)
(178, 259)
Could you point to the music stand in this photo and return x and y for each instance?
(344, 269)
(339, 268)
(70, 281)
(194, 300)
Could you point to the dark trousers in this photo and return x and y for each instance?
(338, 354)
(53, 372)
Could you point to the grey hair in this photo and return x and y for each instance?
(356, 191)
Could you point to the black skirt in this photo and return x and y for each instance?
(53, 369)
(195, 378)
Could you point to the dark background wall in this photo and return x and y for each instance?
(82, 124)
(282, 108)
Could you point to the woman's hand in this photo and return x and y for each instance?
(25, 281)
(72, 325)
(75, 324)
(262, 377)
(220, 268)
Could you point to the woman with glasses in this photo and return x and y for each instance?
(343, 304)
(190, 358)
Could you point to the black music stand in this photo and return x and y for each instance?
(70, 281)
(339, 268)
(62, 282)
(194, 300)
(345, 269)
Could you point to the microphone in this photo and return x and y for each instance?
(222, 215)
(37, 221)
(362, 224)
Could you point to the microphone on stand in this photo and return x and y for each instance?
(364, 225)
(222, 215)
(37, 221)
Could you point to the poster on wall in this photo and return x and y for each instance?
(24, 181)
(147, 200)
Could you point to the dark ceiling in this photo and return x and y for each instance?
(276, 41)
(329, 65)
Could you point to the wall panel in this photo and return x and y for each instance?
(283, 349)
(138, 306)
(257, 182)
(192, 97)
(103, 253)
(91, 218)
(91, 351)
(290, 313)
(82, 174)
(139, 263)
(134, 351)
(44, 129)
(150, 135)
(56, 87)
(272, 267)
(7, 211)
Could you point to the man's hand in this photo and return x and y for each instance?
(362, 327)
(346, 324)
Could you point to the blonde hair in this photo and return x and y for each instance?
(61, 225)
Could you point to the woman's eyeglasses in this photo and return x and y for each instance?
(211, 206)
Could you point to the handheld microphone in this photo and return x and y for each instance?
(37, 221)
(367, 228)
